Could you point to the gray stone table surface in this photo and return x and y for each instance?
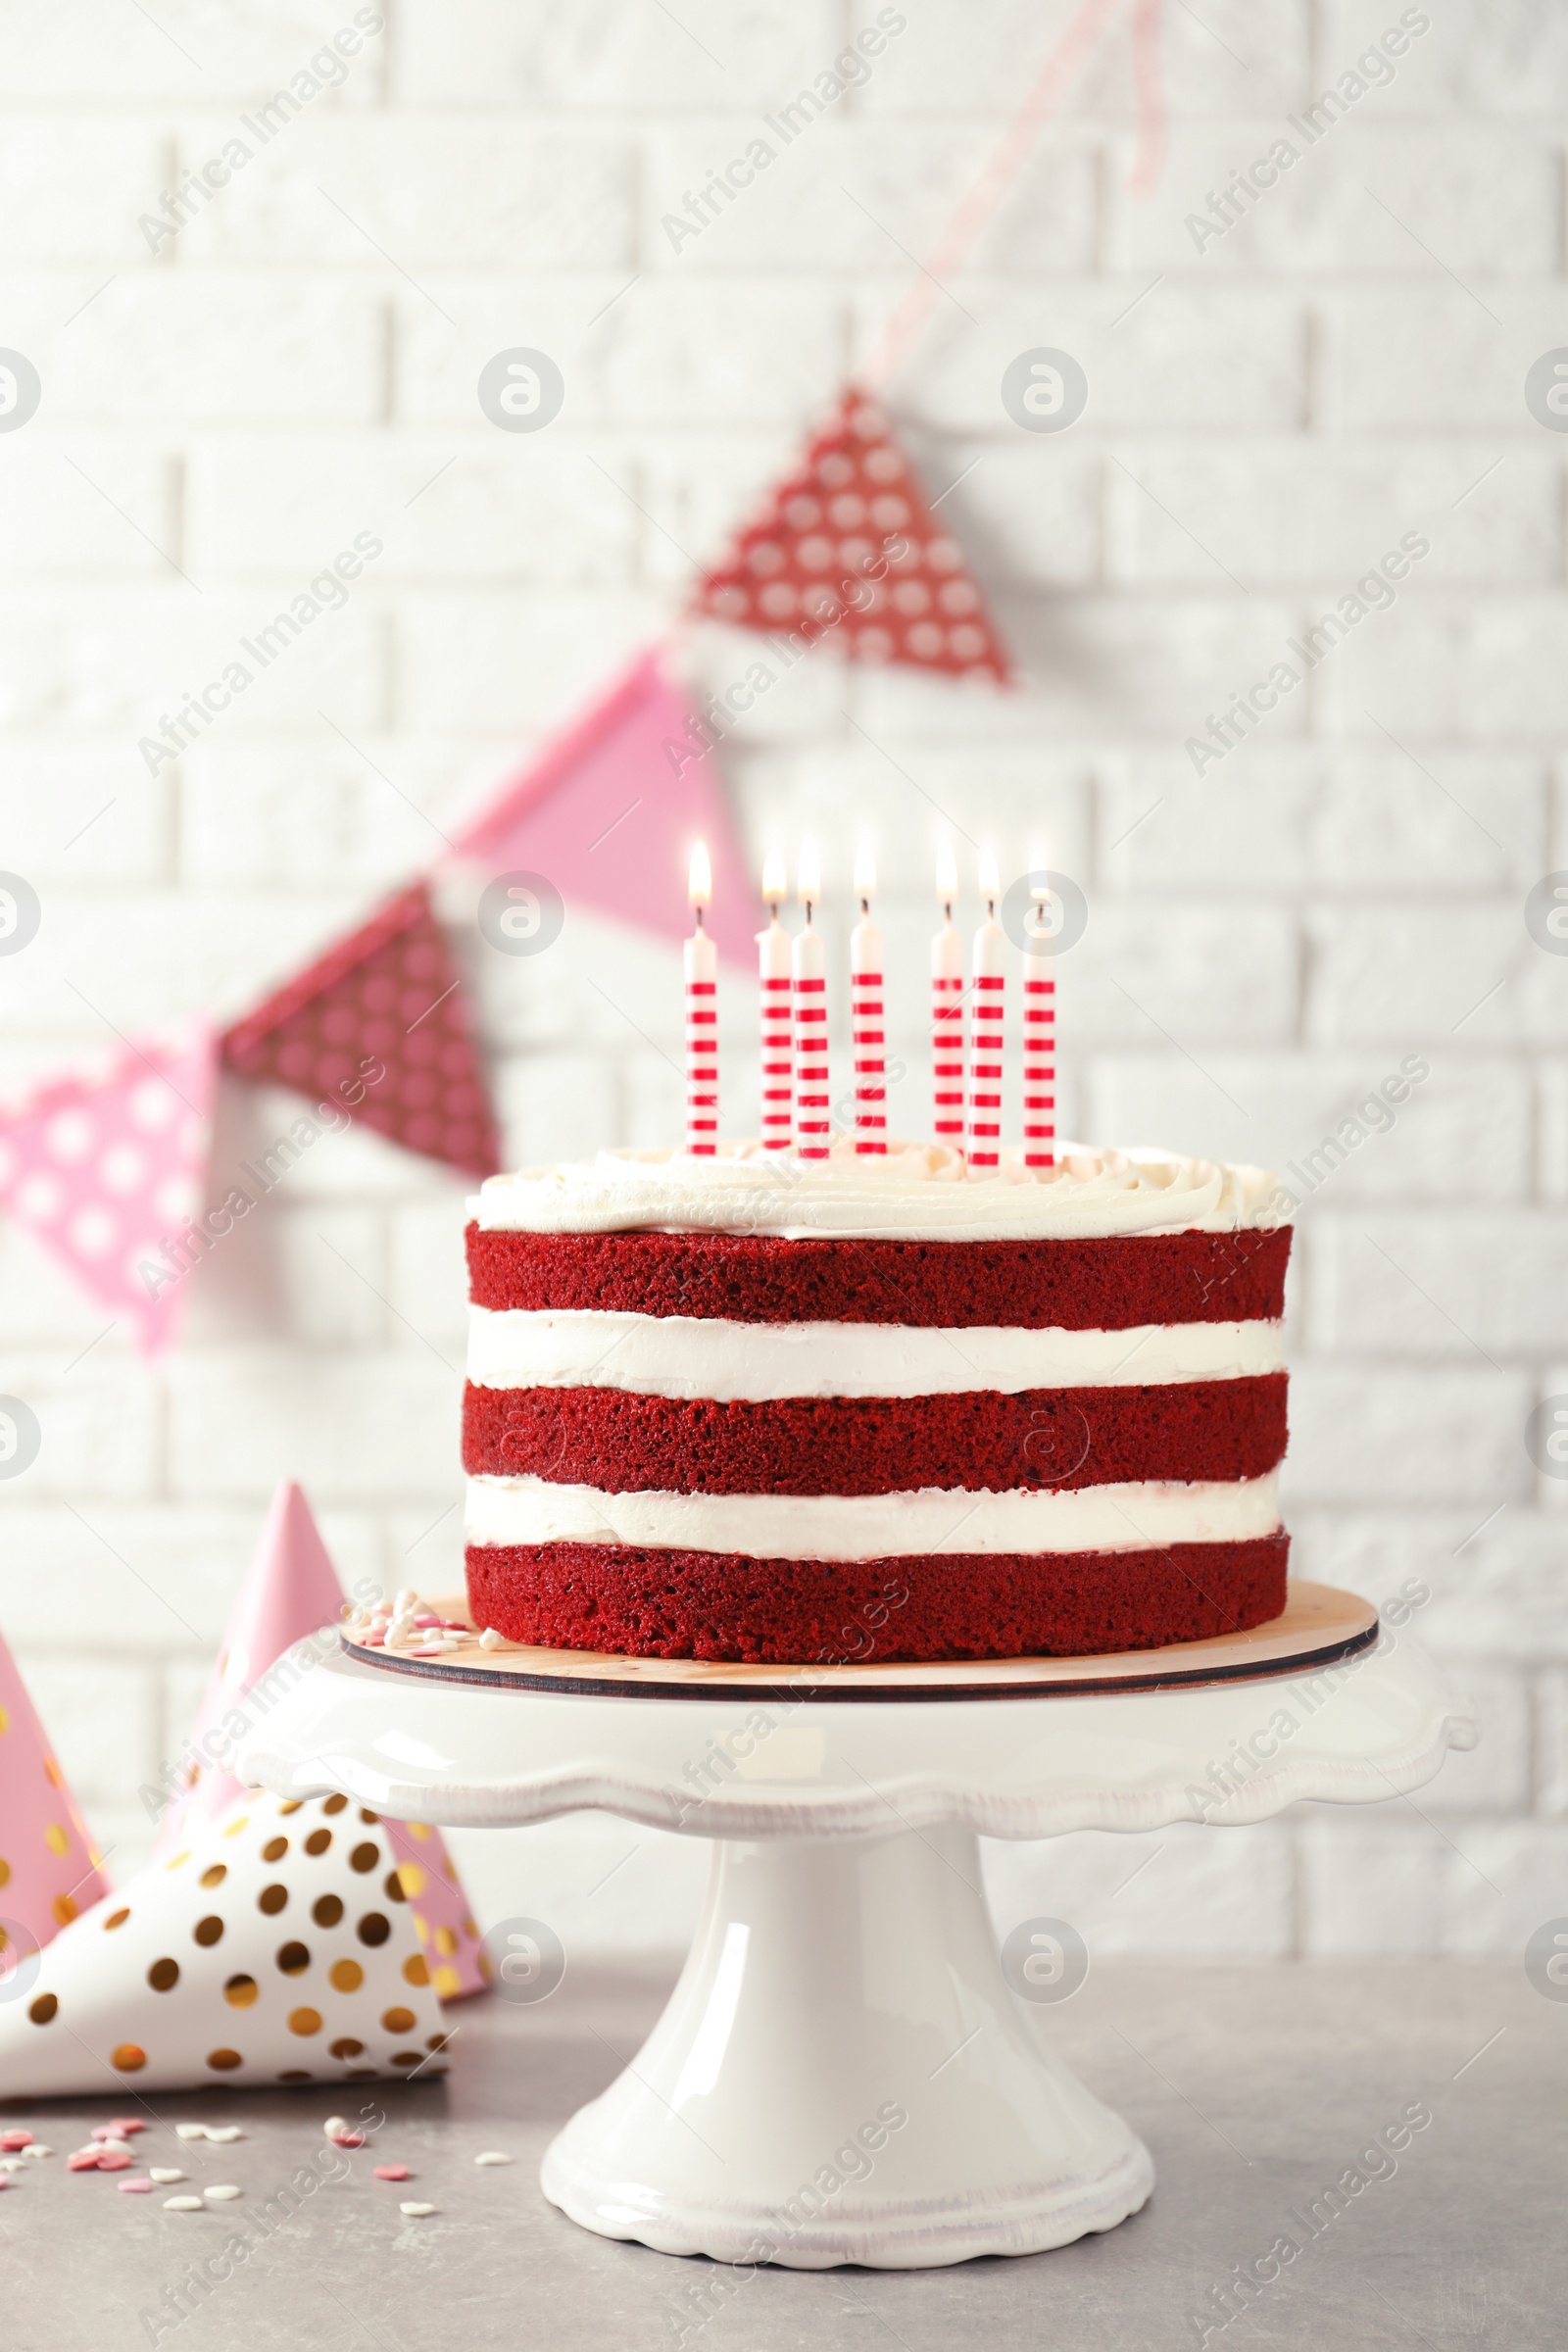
(1257, 2088)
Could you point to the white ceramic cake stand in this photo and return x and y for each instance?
(843, 2073)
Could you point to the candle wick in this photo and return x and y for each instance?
(696, 911)
(865, 906)
(808, 915)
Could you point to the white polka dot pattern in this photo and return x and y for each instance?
(105, 1170)
(846, 551)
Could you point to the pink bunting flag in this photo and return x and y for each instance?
(105, 1169)
(49, 1867)
(846, 552)
(609, 812)
(291, 1591)
(380, 1023)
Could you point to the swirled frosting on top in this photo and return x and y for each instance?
(918, 1193)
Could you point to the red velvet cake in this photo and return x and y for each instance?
(759, 1409)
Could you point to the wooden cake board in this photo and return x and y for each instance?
(1321, 1625)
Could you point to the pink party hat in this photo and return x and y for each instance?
(107, 1170)
(49, 1867)
(291, 1591)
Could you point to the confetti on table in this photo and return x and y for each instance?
(393, 2172)
(493, 2156)
(221, 2192)
(416, 2212)
(182, 2205)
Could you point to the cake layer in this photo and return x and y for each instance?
(1115, 1283)
(1043, 1438)
(869, 1527)
(911, 1192)
(690, 1604)
(681, 1356)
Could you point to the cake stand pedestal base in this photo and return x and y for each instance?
(844, 2075)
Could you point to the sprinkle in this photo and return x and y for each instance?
(407, 1598)
(221, 2192)
(135, 2187)
(335, 2123)
(191, 2131)
(11, 2140)
(108, 2146)
(393, 2172)
(38, 2149)
(493, 2156)
(415, 2211)
(349, 2139)
(182, 2205)
(224, 2133)
(429, 1617)
(490, 1639)
(126, 2125)
(82, 2160)
(5, 2184)
(115, 2160)
(166, 2175)
(13, 2164)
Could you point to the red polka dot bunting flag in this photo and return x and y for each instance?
(49, 1867)
(380, 1023)
(104, 1169)
(846, 552)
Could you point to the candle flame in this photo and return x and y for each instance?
(947, 874)
(775, 882)
(864, 871)
(1038, 868)
(700, 885)
(810, 878)
(990, 882)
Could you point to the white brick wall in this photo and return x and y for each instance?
(1264, 944)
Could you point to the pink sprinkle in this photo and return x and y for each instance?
(82, 2160)
(136, 2187)
(115, 2160)
(393, 2172)
(11, 2141)
(122, 2126)
(348, 2139)
(429, 1617)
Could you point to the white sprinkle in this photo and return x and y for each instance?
(37, 2149)
(164, 2175)
(416, 2212)
(115, 2147)
(182, 2205)
(12, 2164)
(191, 2131)
(407, 1599)
(493, 2156)
(335, 2123)
(221, 2193)
(490, 1639)
(225, 2132)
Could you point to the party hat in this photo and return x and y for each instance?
(49, 1867)
(278, 1946)
(290, 1591)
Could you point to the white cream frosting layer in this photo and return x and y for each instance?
(872, 1526)
(693, 1356)
(919, 1192)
